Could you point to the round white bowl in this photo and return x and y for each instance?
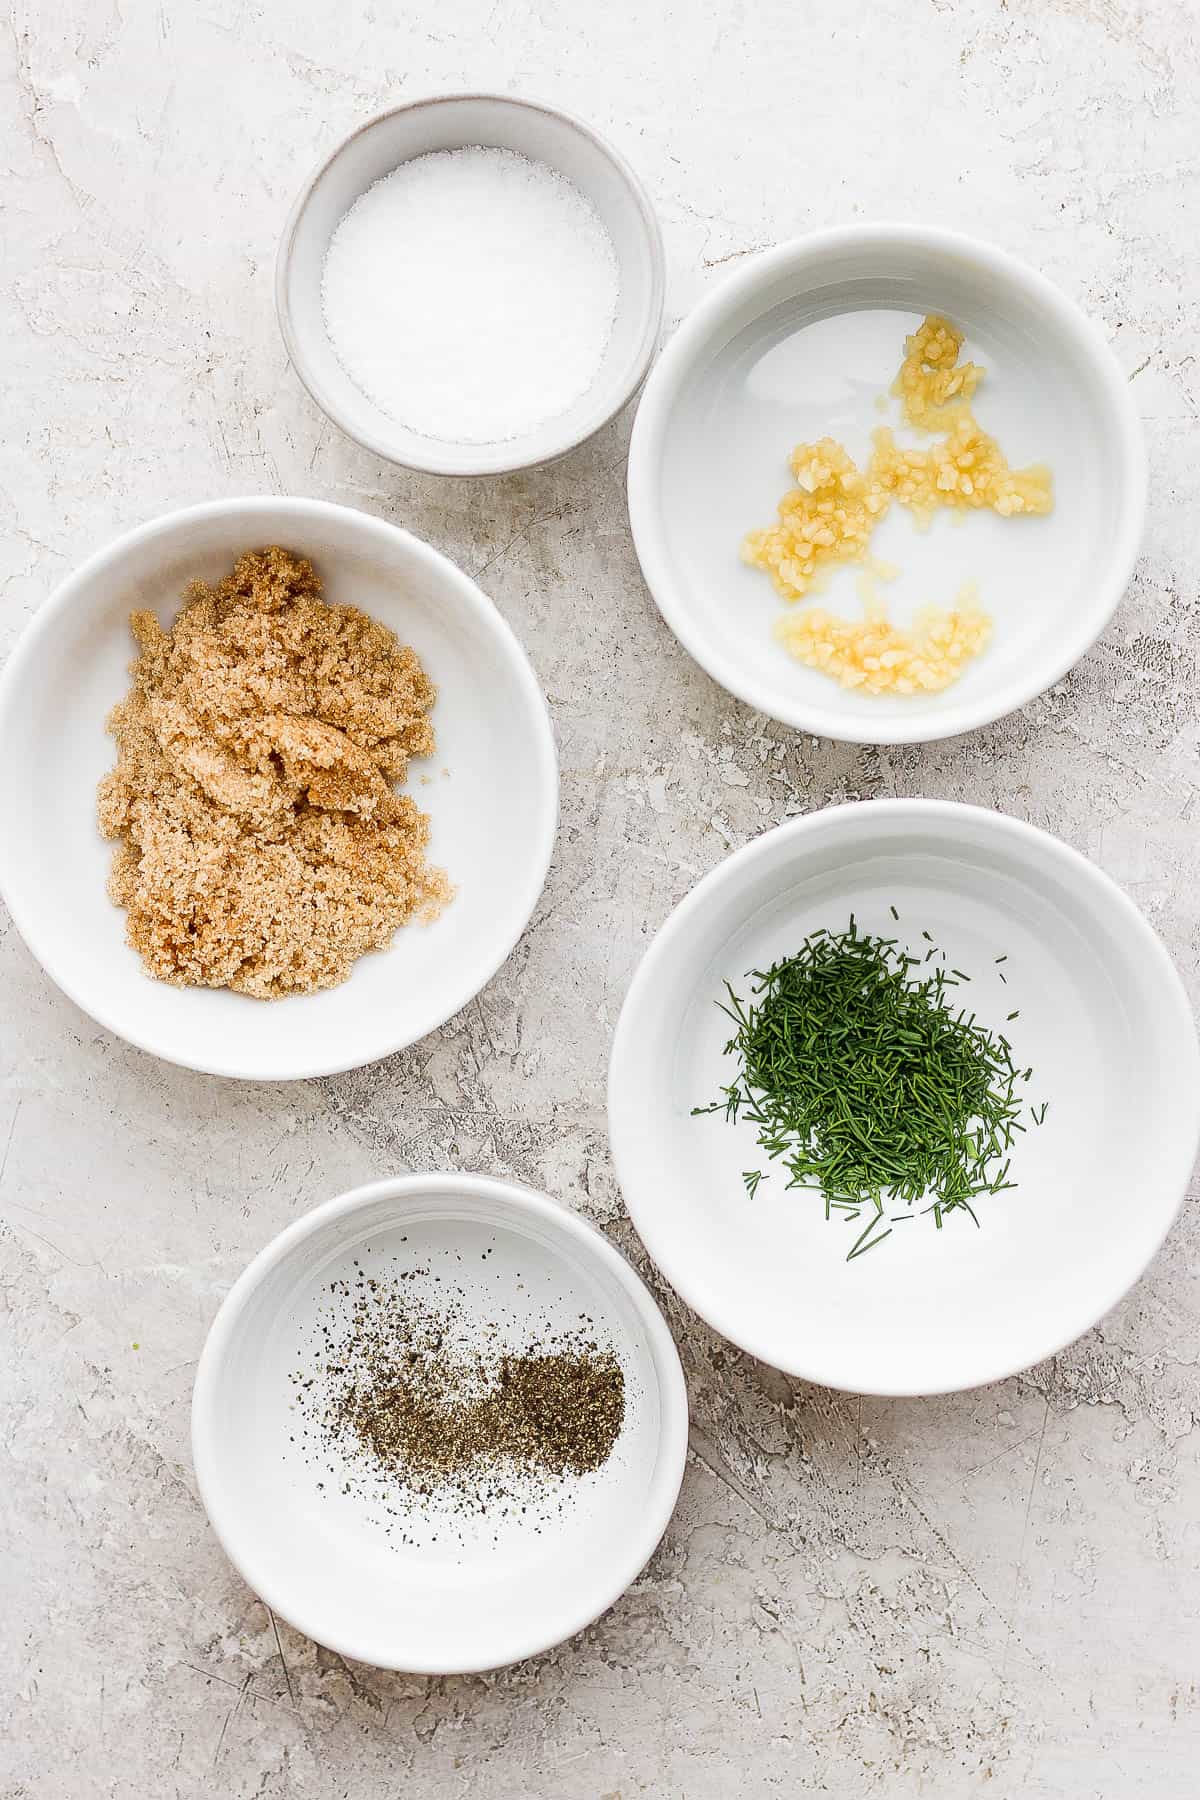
(450, 122)
(800, 344)
(488, 1590)
(1104, 1022)
(491, 790)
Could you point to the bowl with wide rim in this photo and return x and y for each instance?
(543, 134)
(490, 790)
(359, 1564)
(803, 342)
(1058, 959)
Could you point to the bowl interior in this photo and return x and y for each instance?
(1102, 1022)
(808, 351)
(449, 124)
(433, 1586)
(490, 790)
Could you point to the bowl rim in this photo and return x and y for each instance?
(671, 374)
(501, 462)
(623, 1127)
(206, 1422)
(74, 590)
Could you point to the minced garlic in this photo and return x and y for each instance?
(882, 658)
(828, 517)
(932, 387)
(967, 469)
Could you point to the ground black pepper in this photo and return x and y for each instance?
(390, 1391)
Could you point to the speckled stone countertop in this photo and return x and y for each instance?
(992, 1594)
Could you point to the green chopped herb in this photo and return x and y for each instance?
(860, 1249)
(862, 1081)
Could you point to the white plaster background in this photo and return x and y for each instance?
(992, 1594)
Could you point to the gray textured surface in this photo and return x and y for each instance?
(992, 1594)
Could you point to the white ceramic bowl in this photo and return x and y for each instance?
(450, 122)
(491, 791)
(799, 344)
(1104, 1022)
(430, 1596)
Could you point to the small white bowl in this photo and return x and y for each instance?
(491, 790)
(426, 1596)
(800, 344)
(1104, 1023)
(451, 122)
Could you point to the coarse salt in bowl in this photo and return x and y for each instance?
(553, 175)
(471, 293)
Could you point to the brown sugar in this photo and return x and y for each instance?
(262, 844)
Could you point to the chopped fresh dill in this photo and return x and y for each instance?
(894, 913)
(860, 1249)
(865, 1082)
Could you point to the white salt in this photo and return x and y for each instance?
(471, 294)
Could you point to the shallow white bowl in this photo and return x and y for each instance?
(798, 345)
(450, 122)
(1104, 1022)
(477, 1593)
(491, 790)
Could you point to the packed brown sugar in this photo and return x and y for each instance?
(261, 841)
